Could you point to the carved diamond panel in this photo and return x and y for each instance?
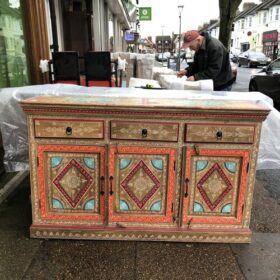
(214, 186)
(140, 184)
(73, 182)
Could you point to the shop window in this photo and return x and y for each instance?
(13, 64)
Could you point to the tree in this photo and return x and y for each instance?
(228, 10)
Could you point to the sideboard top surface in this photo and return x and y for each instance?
(138, 102)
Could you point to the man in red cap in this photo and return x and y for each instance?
(211, 60)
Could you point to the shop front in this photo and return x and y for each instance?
(270, 44)
(13, 66)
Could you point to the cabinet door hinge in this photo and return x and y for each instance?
(242, 209)
(172, 207)
(248, 164)
(174, 165)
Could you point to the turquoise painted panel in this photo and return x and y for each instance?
(124, 163)
(89, 204)
(123, 205)
(197, 207)
(201, 164)
(156, 206)
(89, 162)
(230, 166)
(57, 204)
(56, 161)
(157, 164)
(227, 208)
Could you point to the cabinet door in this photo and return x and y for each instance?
(141, 184)
(71, 183)
(215, 185)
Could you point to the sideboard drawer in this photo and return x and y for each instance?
(225, 133)
(155, 131)
(74, 128)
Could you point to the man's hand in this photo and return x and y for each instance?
(181, 73)
(190, 78)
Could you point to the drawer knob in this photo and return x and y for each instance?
(144, 132)
(68, 130)
(219, 135)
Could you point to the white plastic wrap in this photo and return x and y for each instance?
(145, 66)
(135, 83)
(171, 81)
(14, 129)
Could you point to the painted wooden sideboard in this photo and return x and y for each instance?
(132, 168)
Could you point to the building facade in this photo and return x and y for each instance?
(256, 28)
(30, 30)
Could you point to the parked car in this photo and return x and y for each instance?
(267, 81)
(162, 57)
(253, 59)
(233, 57)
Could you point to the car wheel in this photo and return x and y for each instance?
(253, 86)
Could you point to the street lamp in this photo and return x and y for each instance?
(162, 44)
(180, 8)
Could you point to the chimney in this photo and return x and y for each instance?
(248, 5)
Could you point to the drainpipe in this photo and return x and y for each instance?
(54, 46)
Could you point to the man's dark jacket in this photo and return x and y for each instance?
(212, 63)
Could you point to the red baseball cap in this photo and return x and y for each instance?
(189, 36)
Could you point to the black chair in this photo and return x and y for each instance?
(65, 67)
(98, 67)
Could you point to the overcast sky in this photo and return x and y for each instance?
(165, 13)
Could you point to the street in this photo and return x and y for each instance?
(243, 78)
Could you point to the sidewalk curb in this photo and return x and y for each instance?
(12, 185)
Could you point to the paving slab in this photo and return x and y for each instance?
(16, 254)
(15, 212)
(265, 210)
(260, 260)
(186, 261)
(70, 259)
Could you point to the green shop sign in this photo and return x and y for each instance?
(145, 13)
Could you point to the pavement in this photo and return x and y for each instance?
(24, 258)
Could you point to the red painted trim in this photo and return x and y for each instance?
(46, 214)
(146, 140)
(238, 115)
(167, 218)
(245, 154)
(143, 229)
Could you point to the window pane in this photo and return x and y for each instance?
(13, 65)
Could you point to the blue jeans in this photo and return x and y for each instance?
(228, 88)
